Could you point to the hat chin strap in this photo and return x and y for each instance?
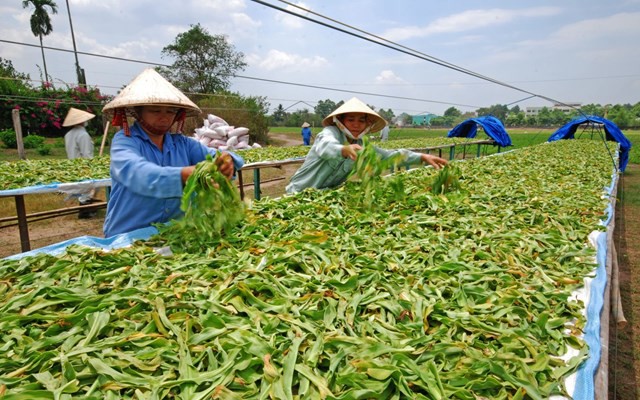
(346, 131)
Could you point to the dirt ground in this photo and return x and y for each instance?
(624, 367)
(624, 341)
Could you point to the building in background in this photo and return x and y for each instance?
(422, 119)
(566, 108)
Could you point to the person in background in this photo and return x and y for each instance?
(149, 164)
(78, 144)
(384, 133)
(306, 134)
(333, 154)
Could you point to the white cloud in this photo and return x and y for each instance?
(616, 26)
(468, 21)
(134, 49)
(219, 7)
(387, 77)
(243, 22)
(291, 21)
(604, 39)
(277, 59)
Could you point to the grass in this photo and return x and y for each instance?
(520, 137)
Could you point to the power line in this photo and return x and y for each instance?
(400, 48)
(246, 77)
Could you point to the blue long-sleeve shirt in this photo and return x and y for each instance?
(146, 183)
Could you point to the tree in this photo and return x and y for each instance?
(203, 63)
(593, 109)
(278, 115)
(452, 112)
(12, 82)
(324, 108)
(621, 116)
(388, 115)
(405, 119)
(544, 117)
(297, 117)
(41, 23)
(497, 110)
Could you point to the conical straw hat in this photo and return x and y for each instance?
(150, 88)
(357, 106)
(306, 125)
(75, 117)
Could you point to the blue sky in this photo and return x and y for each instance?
(572, 51)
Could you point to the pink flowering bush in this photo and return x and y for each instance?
(43, 109)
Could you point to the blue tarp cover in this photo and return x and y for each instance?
(612, 131)
(492, 126)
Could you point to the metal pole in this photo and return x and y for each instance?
(256, 183)
(79, 72)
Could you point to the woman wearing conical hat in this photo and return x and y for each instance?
(77, 141)
(149, 164)
(78, 144)
(332, 156)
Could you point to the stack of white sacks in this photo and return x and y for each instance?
(217, 133)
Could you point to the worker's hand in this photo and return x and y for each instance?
(351, 151)
(434, 161)
(225, 164)
(186, 172)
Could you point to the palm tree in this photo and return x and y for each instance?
(41, 22)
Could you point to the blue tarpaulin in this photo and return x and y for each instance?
(492, 127)
(612, 131)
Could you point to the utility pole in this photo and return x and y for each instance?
(82, 80)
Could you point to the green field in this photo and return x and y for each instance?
(519, 137)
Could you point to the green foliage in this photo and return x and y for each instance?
(12, 82)
(212, 207)
(97, 141)
(324, 108)
(499, 111)
(8, 137)
(40, 21)
(42, 110)
(447, 180)
(452, 112)
(388, 114)
(249, 112)
(44, 149)
(33, 141)
(58, 143)
(278, 116)
(204, 63)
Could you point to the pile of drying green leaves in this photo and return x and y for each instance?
(25, 173)
(462, 296)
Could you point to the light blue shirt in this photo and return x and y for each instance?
(324, 167)
(146, 183)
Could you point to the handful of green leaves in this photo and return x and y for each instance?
(212, 206)
(447, 180)
(369, 166)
